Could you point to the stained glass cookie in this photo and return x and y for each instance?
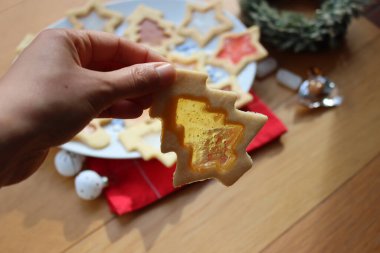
(236, 50)
(148, 26)
(205, 129)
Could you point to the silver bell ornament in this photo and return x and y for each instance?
(68, 164)
(318, 91)
(89, 184)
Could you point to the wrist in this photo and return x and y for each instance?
(16, 141)
(15, 131)
(11, 132)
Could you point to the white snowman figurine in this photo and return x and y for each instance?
(68, 164)
(89, 184)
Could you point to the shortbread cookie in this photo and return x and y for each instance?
(232, 85)
(144, 118)
(202, 126)
(203, 22)
(113, 18)
(187, 47)
(93, 135)
(148, 27)
(236, 50)
(216, 74)
(25, 42)
(136, 138)
(194, 61)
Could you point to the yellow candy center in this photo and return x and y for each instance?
(206, 133)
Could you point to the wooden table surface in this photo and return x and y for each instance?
(315, 190)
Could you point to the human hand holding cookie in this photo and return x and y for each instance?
(60, 82)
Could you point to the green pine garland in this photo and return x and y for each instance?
(288, 30)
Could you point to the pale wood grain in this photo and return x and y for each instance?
(347, 222)
(44, 215)
(321, 151)
(6, 4)
(28, 16)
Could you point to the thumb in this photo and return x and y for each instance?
(138, 80)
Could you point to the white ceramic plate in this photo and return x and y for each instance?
(174, 11)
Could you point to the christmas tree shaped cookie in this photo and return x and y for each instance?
(147, 26)
(203, 22)
(236, 50)
(203, 127)
(113, 19)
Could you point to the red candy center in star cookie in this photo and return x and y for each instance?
(236, 48)
(151, 33)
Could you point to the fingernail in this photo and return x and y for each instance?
(166, 72)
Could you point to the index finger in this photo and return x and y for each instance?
(97, 48)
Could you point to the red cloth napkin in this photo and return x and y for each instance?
(135, 183)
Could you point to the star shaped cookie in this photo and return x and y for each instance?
(148, 26)
(113, 18)
(203, 127)
(236, 50)
(203, 22)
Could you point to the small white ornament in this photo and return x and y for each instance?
(68, 164)
(265, 67)
(89, 184)
(288, 79)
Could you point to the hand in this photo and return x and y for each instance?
(60, 82)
